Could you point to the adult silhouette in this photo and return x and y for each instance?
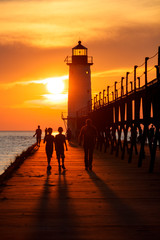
(46, 131)
(134, 138)
(60, 141)
(151, 134)
(49, 139)
(69, 134)
(38, 134)
(88, 134)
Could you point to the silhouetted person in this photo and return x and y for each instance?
(69, 134)
(140, 134)
(46, 131)
(38, 134)
(49, 139)
(107, 138)
(151, 134)
(134, 139)
(88, 134)
(60, 141)
(100, 140)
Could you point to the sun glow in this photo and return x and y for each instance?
(55, 85)
(56, 98)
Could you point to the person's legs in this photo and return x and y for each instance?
(90, 157)
(49, 156)
(49, 160)
(59, 163)
(37, 141)
(86, 156)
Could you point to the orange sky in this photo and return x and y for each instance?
(36, 36)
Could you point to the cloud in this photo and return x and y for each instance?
(40, 81)
(58, 23)
(19, 62)
(111, 72)
(25, 94)
(48, 100)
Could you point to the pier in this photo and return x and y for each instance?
(133, 109)
(116, 201)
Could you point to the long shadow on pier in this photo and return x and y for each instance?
(67, 217)
(122, 216)
(56, 216)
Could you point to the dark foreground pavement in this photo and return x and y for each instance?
(115, 201)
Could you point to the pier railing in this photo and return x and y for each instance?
(131, 105)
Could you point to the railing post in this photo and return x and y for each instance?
(91, 106)
(103, 95)
(99, 98)
(108, 93)
(115, 90)
(139, 82)
(112, 96)
(122, 92)
(135, 67)
(127, 73)
(157, 72)
(146, 59)
(94, 102)
(131, 86)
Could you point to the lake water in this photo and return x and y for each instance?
(12, 143)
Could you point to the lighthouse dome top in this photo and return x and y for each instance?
(79, 46)
(79, 50)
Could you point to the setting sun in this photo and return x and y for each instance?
(55, 85)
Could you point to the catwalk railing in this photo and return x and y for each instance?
(133, 107)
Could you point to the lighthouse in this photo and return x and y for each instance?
(79, 92)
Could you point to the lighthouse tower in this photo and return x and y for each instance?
(79, 93)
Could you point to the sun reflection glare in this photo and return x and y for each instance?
(56, 97)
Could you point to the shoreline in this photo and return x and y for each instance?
(17, 163)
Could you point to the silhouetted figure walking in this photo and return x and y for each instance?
(133, 142)
(100, 140)
(151, 137)
(46, 131)
(38, 134)
(140, 134)
(88, 133)
(134, 138)
(151, 134)
(69, 134)
(107, 138)
(49, 139)
(60, 141)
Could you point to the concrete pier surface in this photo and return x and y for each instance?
(116, 201)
